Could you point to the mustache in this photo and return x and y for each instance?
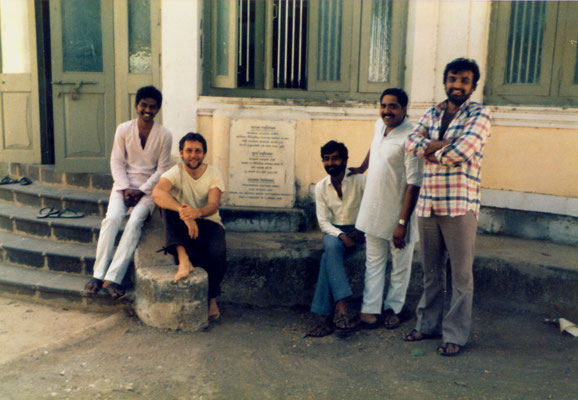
(387, 115)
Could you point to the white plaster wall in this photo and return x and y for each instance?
(15, 36)
(181, 65)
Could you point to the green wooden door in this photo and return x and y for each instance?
(82, 83)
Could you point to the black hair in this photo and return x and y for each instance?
(332, 146)
(463, 64)
(149, 92)
(193, 137)
(400, 94)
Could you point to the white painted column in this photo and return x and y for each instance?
(181, 65)
(437, 33)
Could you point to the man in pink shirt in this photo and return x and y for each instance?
(140, 154)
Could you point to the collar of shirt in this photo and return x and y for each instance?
(346, 178)
(395, 131)
(441, 107)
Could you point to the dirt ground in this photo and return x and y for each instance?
(52, 353)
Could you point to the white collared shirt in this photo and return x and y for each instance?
(332, 210)
(390, 170)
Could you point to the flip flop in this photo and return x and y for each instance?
(68, 213)
(48, 212)
(8, 181)
(24, 181)
(320, 330)
(413, 336)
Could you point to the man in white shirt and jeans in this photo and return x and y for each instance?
(337, 200)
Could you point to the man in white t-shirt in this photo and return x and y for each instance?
(189, 195)
(140, 154)
(386, 213)
(337, 199)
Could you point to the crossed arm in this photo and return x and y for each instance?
(188, 214)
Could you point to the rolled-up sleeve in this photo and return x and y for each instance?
(418, 140)
(413, 169)
(323, 214)
(476, 130)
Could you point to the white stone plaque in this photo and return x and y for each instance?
(262, 163)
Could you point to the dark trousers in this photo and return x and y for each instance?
(208, 250)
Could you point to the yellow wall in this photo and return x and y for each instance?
(534, 160)
(520, 159)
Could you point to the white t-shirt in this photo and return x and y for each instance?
(195, 192)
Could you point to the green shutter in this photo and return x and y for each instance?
(329, 41)
(568, 65)
(383, 32)
(224, 43)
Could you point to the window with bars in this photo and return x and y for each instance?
(533, 53)
(304, 48)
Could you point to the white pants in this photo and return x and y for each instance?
(375, 264)
(128, 242)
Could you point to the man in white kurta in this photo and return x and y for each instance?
(140, 154)
(386, 212)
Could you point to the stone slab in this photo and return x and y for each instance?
(262, 163)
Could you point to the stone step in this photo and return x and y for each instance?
(46, 254)
(280, 269)
(61, 289)
(48, 174)
(41, 195)
(22, 220)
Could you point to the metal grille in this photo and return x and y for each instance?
(289, 43)
(246, 45)
(524, 57)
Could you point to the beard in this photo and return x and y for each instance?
(335, 171)
(458, 97)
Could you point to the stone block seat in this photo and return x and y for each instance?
(159, 302)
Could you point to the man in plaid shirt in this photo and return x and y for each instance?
(450, 137)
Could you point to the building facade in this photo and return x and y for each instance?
(70, 70)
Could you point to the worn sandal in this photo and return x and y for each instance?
(416, 336)
(115, 290)
(93, 285)
(443, 350)
(320, 330)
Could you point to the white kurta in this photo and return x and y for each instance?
(391, 169)
(133, 167)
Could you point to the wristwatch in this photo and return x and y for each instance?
(402, 222)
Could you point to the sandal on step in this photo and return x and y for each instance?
(93, 285)
(115, 290)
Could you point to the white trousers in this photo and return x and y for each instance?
(375, 264)
(128, 242)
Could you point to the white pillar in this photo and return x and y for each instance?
(181, 65)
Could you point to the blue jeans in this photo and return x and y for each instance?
(332, 284)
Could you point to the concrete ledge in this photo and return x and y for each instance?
(280, 269)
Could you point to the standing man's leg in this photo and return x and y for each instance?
(104, 249)
(430, 308)
(125, 249)
(460, 236)
(375, 263)
(399, 281)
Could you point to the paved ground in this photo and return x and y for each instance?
(50, 353)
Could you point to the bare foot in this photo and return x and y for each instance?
(184, 270)
(214, 312)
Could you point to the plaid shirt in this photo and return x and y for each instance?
(451, 187)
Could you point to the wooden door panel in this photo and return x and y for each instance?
(86, 116)
(16, 121)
